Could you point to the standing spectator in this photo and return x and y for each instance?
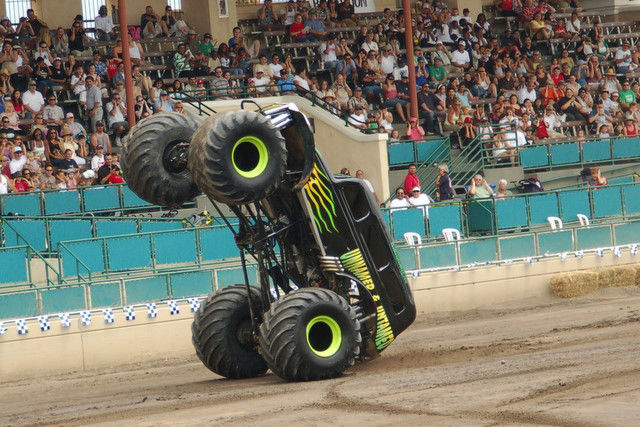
(33, 100)
(411, 180)
(443, 183)
(104, 25)
(266, 17)
(329, 51)
(117, 118)
(40, 28)
(94, 102)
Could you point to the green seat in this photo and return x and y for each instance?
(191, 284)
(607, 201)
(596, 151)
(82, 258)
(442, 255)
(517, 246)
(534, 157)
(478, 251)
(59, 202)
(573, 203)
(432, 150)
(175, 247)
(511, 213)
(66, 299)
(19, 304)
(101, 198)
(555, 242)
(626, 147)
(407, 220)
(13, 265)
(131, 199)
(145, 290)
(444, 216)
(481, 215)
(128, 252)
(105, 295)
(541, 207)
(217, 243)
(232, 276)
(33, 233)
(631, 198)
(401, 153)
(108, 227)
(63, 229)
(564, 154)
(26, 204)
(147, 226)
(407, 257)
(628, 233)
(593, 237)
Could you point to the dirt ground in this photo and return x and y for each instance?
(567, 363)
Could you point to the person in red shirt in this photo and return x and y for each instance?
(298, 31)
(556, 76)
(411, 179)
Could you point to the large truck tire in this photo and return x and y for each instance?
(310, 334)
(238, 157)
(222, 335)
(155, 159)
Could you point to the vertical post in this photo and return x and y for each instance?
(408, 34)
(126, 59)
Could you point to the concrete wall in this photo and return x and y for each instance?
(204, 16)
(101, 345)
(341, 146)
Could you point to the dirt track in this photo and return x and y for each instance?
(574, 362)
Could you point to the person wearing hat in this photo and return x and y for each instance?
(358, 118)
(98, 158)
(6, 29)
(332, 104)
(75, 127)
(78, 147)
(460, 57)
(357, 100)
(58, 74)
(623, 58)
(18, 159)
(418, 198)
(315, 26)
(206, 45)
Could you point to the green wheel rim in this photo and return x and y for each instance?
(317, 339)
(249, 156)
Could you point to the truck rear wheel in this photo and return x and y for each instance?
(310, 334)
(222, 335)
(238, 157)
(155, 159)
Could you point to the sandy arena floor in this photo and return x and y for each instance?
(569, 363)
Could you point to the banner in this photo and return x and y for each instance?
(360, 6)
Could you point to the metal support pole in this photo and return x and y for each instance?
(126, 59)
(408, 34)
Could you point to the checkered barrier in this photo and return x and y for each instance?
(563, 256)
(84, 318)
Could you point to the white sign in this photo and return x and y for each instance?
(360, 6)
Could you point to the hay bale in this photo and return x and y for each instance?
(616, 276)
(574, 284)
(637, 268)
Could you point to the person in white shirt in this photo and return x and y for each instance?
(262, 82)
(275, 66)
(367, 183)
(33, 100)
(328, 52)
(418, 198)
(527, 92)
(358, 118)
(104, 25)
(117, 117)
(623, 58)
(442, 34)
(301, 80)
(460, 57)
(4, 184)
(18, 161)
(98, 159)
(387, 60)
(400, 202)
(369, 44)
(552, 122)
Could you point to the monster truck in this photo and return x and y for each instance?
(331, 290)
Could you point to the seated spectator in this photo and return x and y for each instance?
(164, 104)
(239, 41)
(52, 113)
(136, 51)
(357, 100)
(329, 52)
(480, 188)
(61, 179)
(142, 109)
(316, 28)
(48, 180)
(288, 13)
(263, 66)
(151, 24)
(358, 118)
(181, 63)
(18, 160)
(98, 159)
(342, 91)
(104, 25)
(414, 131)
(266, 16)
(502, 190)
(99, 138)
(418, 198)
(623, 58)
(460, 57)
(400, 201)
(5, 181)
(173, 27)
(597, 179)
(33, 100)
(77, 40)
(395, 100)
(299, 32)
